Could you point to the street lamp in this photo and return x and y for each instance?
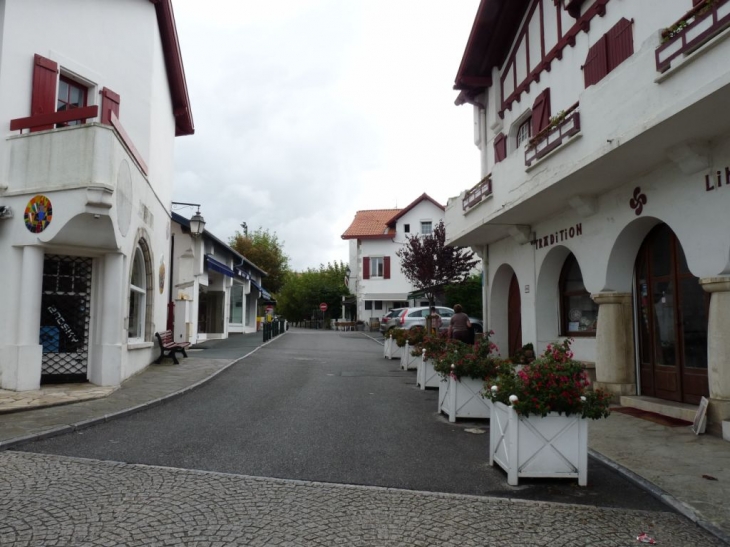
(197, 223)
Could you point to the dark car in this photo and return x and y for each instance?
(388, 320)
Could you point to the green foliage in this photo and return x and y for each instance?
(468, 294)
(303, 292)
(552, 383)
(427, 262)
(477, 361)
(264, 249)
(399, 336)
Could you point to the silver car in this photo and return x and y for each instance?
(389, 319)
(410, 318)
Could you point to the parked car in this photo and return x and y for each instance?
(410, 318)
(388, 320)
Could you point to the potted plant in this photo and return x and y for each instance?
(431, 348)
(463, 369)
(539, 416)
(394, 344)
(411, 354)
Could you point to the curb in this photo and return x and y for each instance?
(663, 496)
(83, 424)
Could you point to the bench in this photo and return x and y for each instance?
(167, 343)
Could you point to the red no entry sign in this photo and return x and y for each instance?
(323, 306)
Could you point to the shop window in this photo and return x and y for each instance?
(137, 297)
(579, 313)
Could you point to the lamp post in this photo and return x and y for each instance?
(197, 227)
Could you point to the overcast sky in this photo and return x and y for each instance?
(307, 111)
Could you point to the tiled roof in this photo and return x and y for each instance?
(371, 224)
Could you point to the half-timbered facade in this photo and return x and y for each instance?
(601, 215)
(92, 96)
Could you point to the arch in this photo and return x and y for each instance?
(137, 293)
(547, 297)
(620, 267)
(499, 307)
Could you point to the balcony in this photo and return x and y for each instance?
(565, 125)
(694, 29)
(477, 193)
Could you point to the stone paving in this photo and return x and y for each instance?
(14, 401)
(50, 500)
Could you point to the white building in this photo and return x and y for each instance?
(603, 211)
(375, 236)
(93, 95)
(215, 289)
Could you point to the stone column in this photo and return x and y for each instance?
(106, 367)
(29, 351)
(615, 356)
(718, 348)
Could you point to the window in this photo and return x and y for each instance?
(368, 304)
(378, 304)
(376, 266)
(71, 95)
(523, 133)
(138, 297)
(579, 313)
(407, 228)
(608, 52)
(426, 227)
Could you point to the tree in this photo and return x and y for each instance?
(428, 263)
(303, 292)
(264, 249)
(468, 294)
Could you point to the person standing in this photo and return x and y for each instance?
(460, 326)
(435, 320)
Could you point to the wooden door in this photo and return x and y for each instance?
(514, 316)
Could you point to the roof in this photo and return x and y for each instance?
(174, 67)
(495, 25)
(419, 199)
(371, 224)
(182, 221)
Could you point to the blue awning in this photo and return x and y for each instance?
(264, 293)
(219, 267)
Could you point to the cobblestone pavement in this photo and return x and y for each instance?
(48, 500)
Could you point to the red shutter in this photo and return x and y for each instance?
(541, 112)
(109, 104)
(596, 65)
(386, 267)
(366, 267)
(43, 100)
(620, 43)
(500, 148)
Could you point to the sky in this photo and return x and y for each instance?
(307, 111)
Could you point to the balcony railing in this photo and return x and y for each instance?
(475, 195)
(696, 27)
(565, 126)
(48, 121)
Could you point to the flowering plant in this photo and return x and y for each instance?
(458, 359)
(399, 336)
(552, 383)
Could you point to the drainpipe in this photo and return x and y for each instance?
(170, 302)
(485, 286)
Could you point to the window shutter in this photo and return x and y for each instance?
(500, 148)
(43, 99)
(620, 43)
(596, 65)
(541, 112)
(386, 267)
(366, 267)
(109, 104)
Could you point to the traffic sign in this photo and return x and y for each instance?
(323, 306)
(269, 309)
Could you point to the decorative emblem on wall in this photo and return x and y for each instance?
(161, 278)
(638, 201)
(38, 214)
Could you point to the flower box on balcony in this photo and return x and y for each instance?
(695, 28)
(475, 195)
(560, 130)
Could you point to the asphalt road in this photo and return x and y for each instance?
(325, 406)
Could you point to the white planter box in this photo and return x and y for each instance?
(391, 349)
(555, 446)
(462, 399)
(426, 376)
(408, 361)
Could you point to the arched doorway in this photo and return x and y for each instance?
(672, 317)
(514, 316)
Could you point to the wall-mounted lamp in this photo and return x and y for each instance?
(6, 212)
(197, 223)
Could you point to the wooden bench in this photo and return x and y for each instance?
(167, 343)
